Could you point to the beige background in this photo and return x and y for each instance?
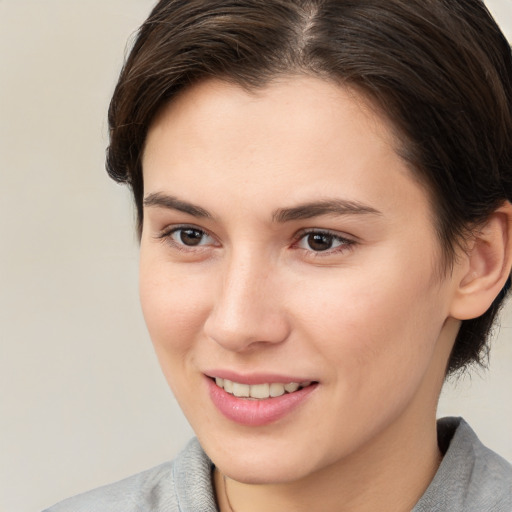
(82, 401)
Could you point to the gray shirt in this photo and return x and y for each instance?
(471, 478)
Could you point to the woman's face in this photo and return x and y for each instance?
(284, 241)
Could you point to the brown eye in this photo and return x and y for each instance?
(320, 241)
(191, 237)
(323, 241)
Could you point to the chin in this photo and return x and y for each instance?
(262, 461)
(261, 472)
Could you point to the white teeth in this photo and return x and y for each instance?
(276, 389)
(228, 386)
(241, 390)
(291, 387)
(259, 391)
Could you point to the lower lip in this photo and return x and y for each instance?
(255, 413)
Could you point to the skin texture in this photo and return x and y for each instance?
(369, 319)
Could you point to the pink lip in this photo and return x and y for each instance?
(255, 413)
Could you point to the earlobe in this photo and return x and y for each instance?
(485, 267)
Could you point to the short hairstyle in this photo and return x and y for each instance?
(440, 71)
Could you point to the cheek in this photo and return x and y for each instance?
(174, 304)
(376, 346)
(374, 325)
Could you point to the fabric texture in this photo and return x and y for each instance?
(471, 478)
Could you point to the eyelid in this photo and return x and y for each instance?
(347, 241)
(165, 235)
(324, 231)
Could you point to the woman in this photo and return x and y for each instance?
(323, 190)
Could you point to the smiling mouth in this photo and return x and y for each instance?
(259, 391)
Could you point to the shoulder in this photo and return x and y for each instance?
(183, 484)
(471, 478)
(129, 494)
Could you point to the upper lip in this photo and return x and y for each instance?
(257, 378)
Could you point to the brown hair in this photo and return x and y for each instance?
(440, 70)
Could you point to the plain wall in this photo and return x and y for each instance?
(82, 401)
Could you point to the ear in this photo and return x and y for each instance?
(484, 268)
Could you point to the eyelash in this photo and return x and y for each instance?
(344, 243)
(166, 237)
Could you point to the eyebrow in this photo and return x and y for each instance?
(282, 215)
(326, 207)
(173, 203)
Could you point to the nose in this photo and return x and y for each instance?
(248, 310)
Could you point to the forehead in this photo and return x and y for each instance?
(302, 135)
(215, 112)
(303, 98)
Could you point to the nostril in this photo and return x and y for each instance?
(251, 328)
